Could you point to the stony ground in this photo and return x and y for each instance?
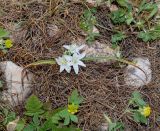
(101, 85)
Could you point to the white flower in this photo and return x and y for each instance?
(74, 48)
(76, 61)
(64, 63)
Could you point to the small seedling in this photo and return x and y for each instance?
(114, 126)
(5, 44)
(140, 110)
(150, 35)
(87, 23)
(136, 17)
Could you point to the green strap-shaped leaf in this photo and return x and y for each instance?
(42, 62)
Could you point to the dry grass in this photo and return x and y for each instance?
(101, 85)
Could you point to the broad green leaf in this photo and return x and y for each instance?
(136, 94)
(145, 36)
(118, 16)
(75, 98)
(118, 37)
(3, 33)
(123, 3)
(29, 127)
(66, 120)
(91, 37)
(151, 7)
(141, 6)
(140, 102)
(74, 118)
(154, 11)
(111, 126)
(9, 116)
(143, 119)
(87, 23)
(20, 125)
(88, 20)
(36, 120)
(55, 119)
(136, 117)
(49, 114)
(5, 111)
(47, 126)
(119, 126)
(33, 106)
(65, 115)
(140, 118)
(137, 98)
(129, 18)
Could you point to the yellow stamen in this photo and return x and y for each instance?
(146, 111)
(72, 108)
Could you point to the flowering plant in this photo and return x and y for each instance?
(71, 58)
(5, 44)
(140, 110)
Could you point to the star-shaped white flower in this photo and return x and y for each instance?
(64, 63)
(74, 48)
(76, 61)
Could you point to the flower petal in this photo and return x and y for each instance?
(81, 63)
(68, 69)
(68, 57)
(58, 60)
(62, 68)
(76, 68)
(75, 55)
(66, 46)
(81, 56)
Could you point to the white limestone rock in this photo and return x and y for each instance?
(15, 93)
(95, 30)
(113, 7)
(137, 78)
(93, 3)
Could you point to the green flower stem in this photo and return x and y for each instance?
(42, 62)
(53, 62)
